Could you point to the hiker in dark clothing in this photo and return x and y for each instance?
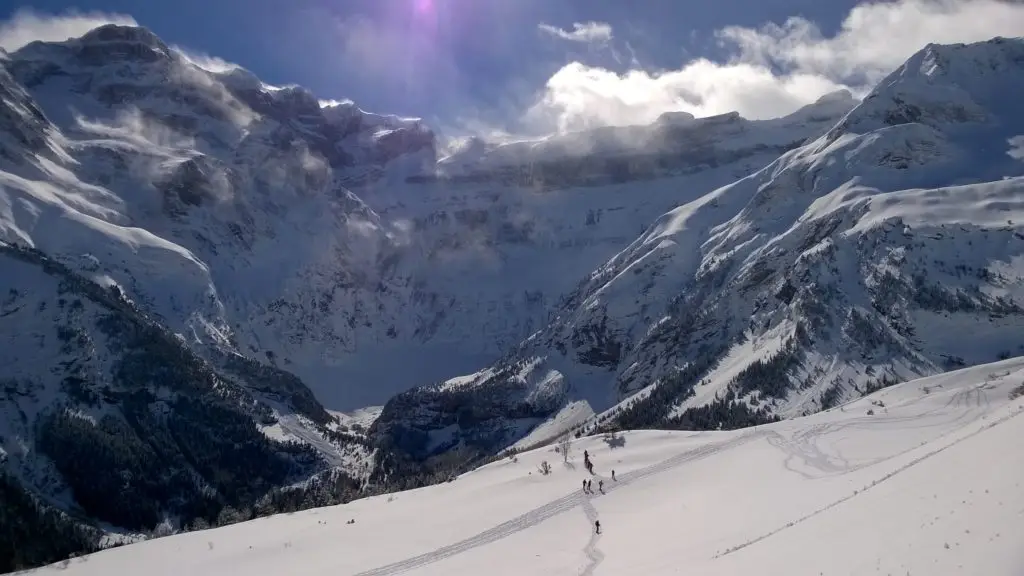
(613, 476)
(600, 486)
(590, 486)
(584, 486)
(597, 526)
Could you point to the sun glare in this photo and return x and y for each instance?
(423, 6)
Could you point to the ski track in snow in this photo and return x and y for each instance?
(876, 482)
(802, 446)
(549, 510)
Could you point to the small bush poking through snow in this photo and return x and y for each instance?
(544, 468)
(1017, 392)
(564, 444)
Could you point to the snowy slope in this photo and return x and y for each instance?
(849, 263)
(887, 484)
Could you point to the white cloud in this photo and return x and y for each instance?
(205, 61)
(26, 26)
(1016, 150)
(876, 38)
(588, 32)
(774, 69)
(579, 96)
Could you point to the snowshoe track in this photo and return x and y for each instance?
(594, 555)
(551, 509)
(974, 397)
(897, 471)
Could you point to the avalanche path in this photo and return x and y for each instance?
(291, 424)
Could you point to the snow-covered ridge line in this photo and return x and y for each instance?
(673, 134)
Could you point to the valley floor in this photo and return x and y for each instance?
(921, 478)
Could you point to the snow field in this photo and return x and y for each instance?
(930, 483)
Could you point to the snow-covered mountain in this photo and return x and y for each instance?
(251, 241)
(892, 246)
(323, 239)
(273, 244)
(677, 143)
(888, 484)
(279, 259)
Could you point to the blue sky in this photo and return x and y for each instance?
(520, 65)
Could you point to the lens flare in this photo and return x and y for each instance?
(423, 6)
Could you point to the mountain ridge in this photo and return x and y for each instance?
(724, 329)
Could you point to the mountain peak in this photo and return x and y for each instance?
(942, 86)
(675, 117)
(966, 63)
(116, 33)
(842, 95)
(100, 46)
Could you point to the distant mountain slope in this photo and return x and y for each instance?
(675, 144)
(860, 259)
(108, 416)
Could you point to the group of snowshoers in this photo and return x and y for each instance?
(588, 487)
(590, 466)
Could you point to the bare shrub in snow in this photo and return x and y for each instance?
(564, 444)
(164, 528)
(1017, 392)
